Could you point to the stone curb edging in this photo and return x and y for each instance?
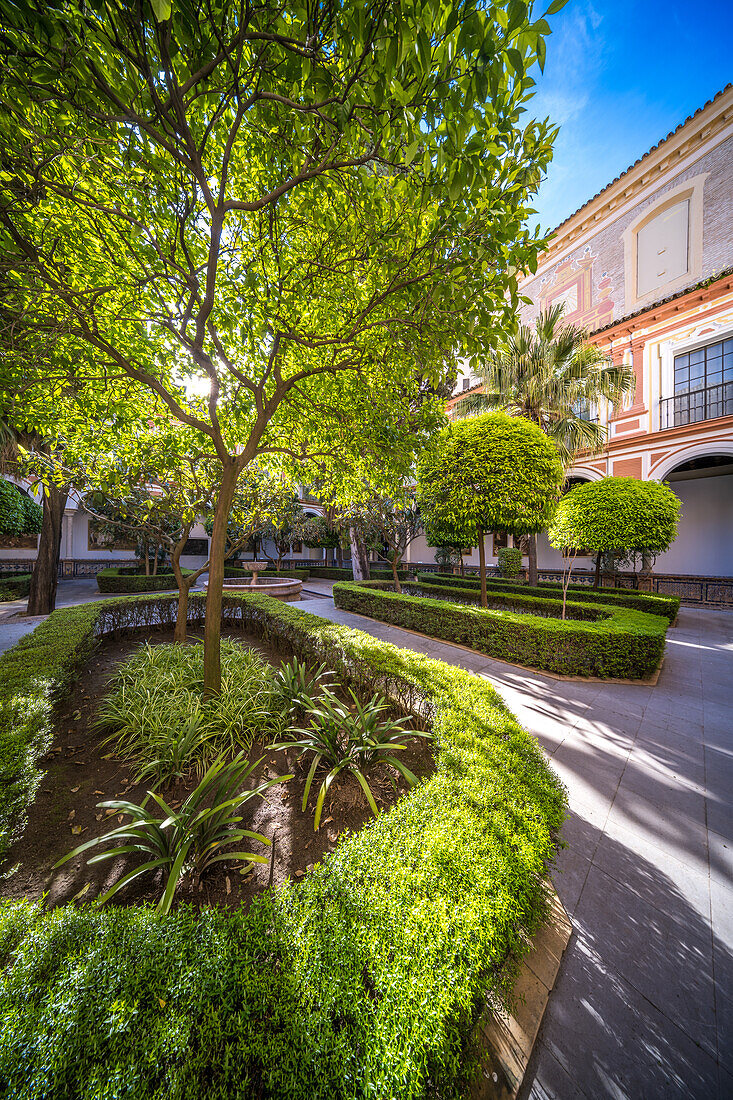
(506, 1041)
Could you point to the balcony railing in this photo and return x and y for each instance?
(696, 405)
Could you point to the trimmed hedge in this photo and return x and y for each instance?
(595, 640)
(231, 572)
(363, 980)
(640, 601)
(14, 586)
(129, 579)
(333, 573)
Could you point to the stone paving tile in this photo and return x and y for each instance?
(612, 1041)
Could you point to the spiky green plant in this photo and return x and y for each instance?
(349, 738)
(297, 684)
(188, 840)
(158, 691)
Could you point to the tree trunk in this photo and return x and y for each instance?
(597, 581)
(395, 573)
(482, 567)
(156, 555)
(340, 556)
(359, 560)
(217, 551)
(45, 578)
(566, 581)
(532, 562)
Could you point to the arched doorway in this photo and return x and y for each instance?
(704, 484)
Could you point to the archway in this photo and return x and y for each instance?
(703, 480)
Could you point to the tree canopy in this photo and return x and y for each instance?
(617, 513)
(281, 221)
(492, 473)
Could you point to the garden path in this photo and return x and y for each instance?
(643, 1005)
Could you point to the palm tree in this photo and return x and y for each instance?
(554, 376)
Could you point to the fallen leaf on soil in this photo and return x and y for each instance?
(299, 874)
(326, 820)
(99, 792)
(98, 817)
(120, 818)
(82, 892)
(77, 829)
(72, 815)
(74, 790)
(229, 884)
(161, 1002)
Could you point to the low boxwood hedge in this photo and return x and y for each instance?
(364, 980)
(333, 573)
(129, 579)
(14, 586)
(595, 640)
(640, 601)
(231, 571)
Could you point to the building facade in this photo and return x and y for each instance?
(646, 267)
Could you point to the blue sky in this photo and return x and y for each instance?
(619, 76)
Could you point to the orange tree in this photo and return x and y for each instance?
(491, 473)
(277, 220)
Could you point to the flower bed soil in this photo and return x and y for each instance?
(81, 771)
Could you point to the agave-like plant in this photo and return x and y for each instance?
(348, 738)
(188, 840)
(297, 685)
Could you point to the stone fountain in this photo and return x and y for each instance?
(287, 589)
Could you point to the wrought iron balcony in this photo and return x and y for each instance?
(694, 406)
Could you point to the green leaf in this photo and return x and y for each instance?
(161, 9)
(556, 6)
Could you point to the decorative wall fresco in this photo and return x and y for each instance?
(572, 284)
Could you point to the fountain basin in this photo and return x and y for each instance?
(286, 590)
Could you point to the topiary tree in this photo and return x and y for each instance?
(510, 561)
(493, 472)
(618, 514)
(19, 513)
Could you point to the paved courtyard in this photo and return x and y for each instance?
(643, 1005)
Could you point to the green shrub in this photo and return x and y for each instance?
(640, 601)
(365, 979)
(14, 586)
(19, 513)
(333, 573)
(601, 641)
(510, 561)
(155, 693)
(130, 579)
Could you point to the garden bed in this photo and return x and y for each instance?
(599, 640)
(82, 770)
(639, 601)
(366, 977)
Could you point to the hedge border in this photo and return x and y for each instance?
(334, 573)
(596, 640)
(366, 978)
(14, 586)
(652, 602)
(121, 578)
